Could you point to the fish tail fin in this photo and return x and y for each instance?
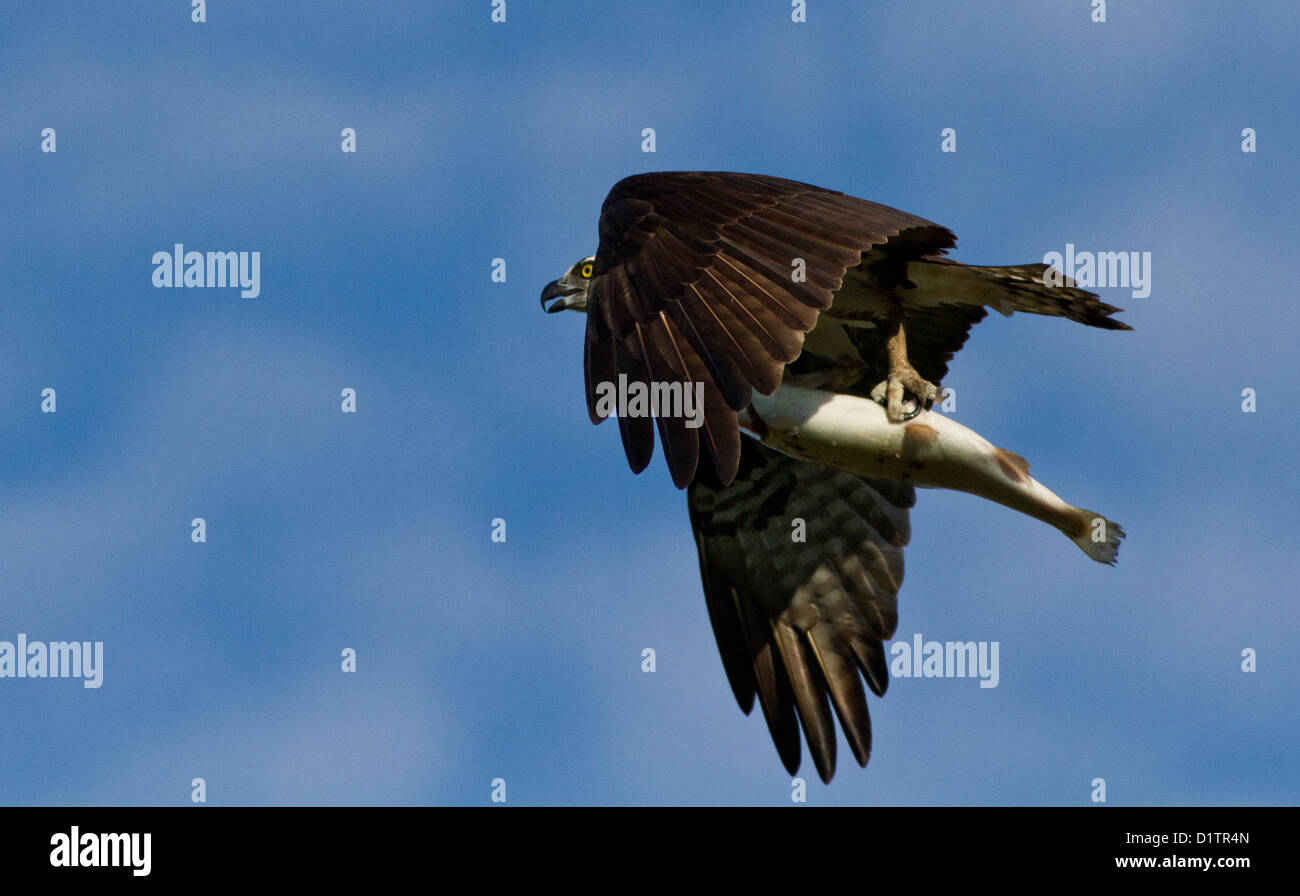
(1097, 536)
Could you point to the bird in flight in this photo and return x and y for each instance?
(821, 324)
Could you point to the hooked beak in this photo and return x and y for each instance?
(558, 289)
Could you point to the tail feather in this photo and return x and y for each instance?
(1025, 287)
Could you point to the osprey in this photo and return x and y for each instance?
(823, 325)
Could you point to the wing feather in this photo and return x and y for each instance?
(800, 624)
(716, 250)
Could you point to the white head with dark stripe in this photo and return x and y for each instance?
(570, 291)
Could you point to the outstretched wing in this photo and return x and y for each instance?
(715, 277)
(800, 623)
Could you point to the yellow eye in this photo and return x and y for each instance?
(586, 270)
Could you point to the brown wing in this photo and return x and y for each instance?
(694, 281)
(801, 623)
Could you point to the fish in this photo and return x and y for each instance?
(930, 450)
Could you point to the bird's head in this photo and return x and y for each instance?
(570, 291)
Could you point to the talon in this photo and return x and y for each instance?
(903, 382)
(902, 378)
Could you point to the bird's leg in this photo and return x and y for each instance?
(902, 377)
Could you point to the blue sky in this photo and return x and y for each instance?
(522, 660)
